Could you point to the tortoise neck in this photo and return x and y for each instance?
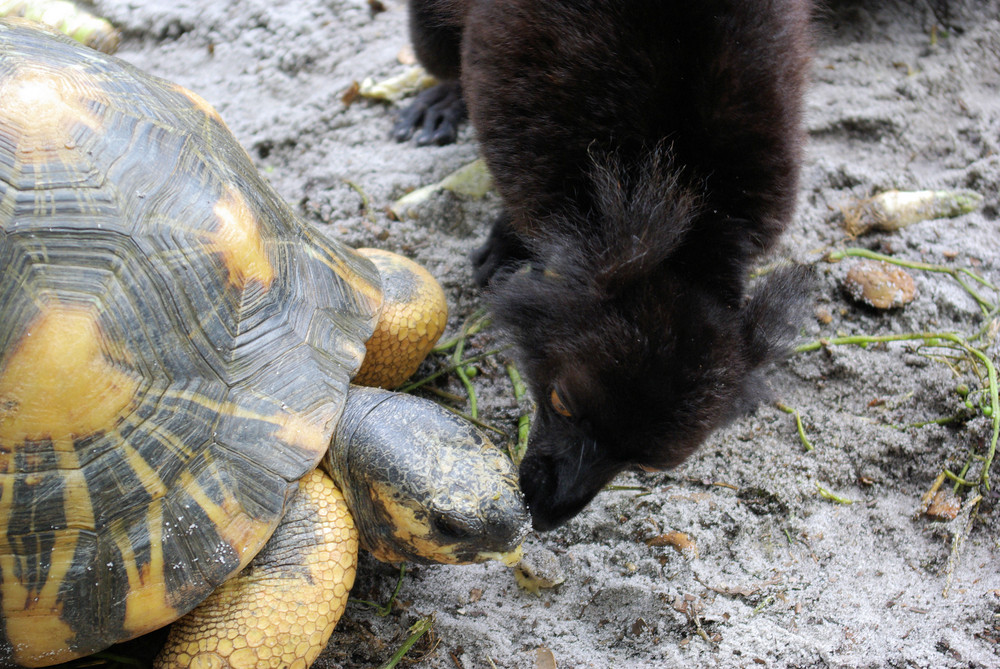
(361, 401)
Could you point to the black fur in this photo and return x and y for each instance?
(646, 153)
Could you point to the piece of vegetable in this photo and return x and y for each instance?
(538, 569)
(394, 88)
(66, 17)
(895, 209)
(473, 181)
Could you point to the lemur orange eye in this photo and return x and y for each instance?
(558, 405)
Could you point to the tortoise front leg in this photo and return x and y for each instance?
(281, 610)
(413, 316)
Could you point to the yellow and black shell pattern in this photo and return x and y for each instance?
(175, 348)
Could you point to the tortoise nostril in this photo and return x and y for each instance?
(453, 527)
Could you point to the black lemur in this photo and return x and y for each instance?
(646, 152)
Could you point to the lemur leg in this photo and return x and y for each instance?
(435, 115)
(502, 251)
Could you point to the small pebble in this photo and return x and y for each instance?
(880, 285)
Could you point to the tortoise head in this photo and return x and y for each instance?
(423, 484)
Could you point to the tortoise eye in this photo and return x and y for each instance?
(558, 405)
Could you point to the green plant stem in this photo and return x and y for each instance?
(798, 424)
(417, 630)
(444, 394)
(946, 420)
(991, 372)
(470, 391)
(446, 370)
(991, 319)
(382, 610)
(365, 201)
(524, 419)
(935, 339)
(826, 494)
(474, 324)
(627, 488)
(456, 361)
(764, 603)
(864, 340)
(475, 421)
(959, 478)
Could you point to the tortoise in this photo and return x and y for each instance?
(176, 356)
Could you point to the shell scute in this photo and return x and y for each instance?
(237, 239)
(43, 107)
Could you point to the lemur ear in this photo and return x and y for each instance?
(716, 253)
(770, 319)
(771, 316)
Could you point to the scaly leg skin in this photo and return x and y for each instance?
(437, 113)
(414, 314)
(281, 609)
(503, 251)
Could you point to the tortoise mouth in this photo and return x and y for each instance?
(503, 547)
(509, 559)
(471, 556)
(430, 551)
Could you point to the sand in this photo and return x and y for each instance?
(777, 574)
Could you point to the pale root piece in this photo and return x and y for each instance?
(68, 18)
(413, 80)
(472, 181)
(281, 609)
(894, 209)
(414, 314)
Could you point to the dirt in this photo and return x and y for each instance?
(756, 552)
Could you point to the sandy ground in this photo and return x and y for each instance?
(778, 575)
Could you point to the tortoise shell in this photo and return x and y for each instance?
(175, 348)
